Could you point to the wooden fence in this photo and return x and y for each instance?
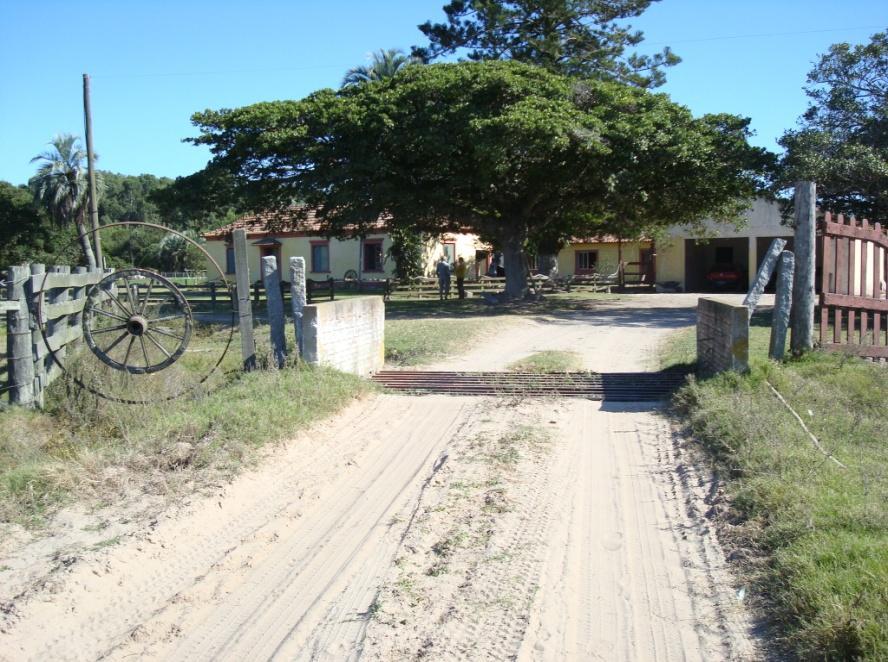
(38, 302)
(853, 299)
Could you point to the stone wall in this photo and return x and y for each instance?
(722, 337)
(347, 334)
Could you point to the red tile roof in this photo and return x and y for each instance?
(285, 223)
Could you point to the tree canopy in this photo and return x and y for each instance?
(508, 150)
(574, 37)
(842, 142)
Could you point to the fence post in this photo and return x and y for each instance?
(36, 337)
(60, 323)
(274, 308)
(244, 309)
(18, 340)
(213, 296)
(782, 306)
(763, 276)
(331, 281)
(297, 296)
(805, 257)
(256, 296)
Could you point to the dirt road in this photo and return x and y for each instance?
(427, 527)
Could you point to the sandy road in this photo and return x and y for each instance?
(429, 527)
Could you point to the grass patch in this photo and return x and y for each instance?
(417, 341)
(548, 361)
(88, 448)
(815, 535)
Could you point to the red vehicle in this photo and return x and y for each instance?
(727, 277)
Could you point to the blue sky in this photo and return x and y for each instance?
(155, 63)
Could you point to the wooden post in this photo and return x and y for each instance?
(244, 308)
(297, 296)
(763, 276)
(18, 339)
(36, 336)
(256, 296)
(275, 309)
(213, 296)
(805, 257)
(91, 174)
(782, 306)
(330, 282)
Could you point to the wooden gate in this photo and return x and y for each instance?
(853, 300)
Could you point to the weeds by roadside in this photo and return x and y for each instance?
(811, 536)
(98, 451)
(415, 341)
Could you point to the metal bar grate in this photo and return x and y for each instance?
(613, 386)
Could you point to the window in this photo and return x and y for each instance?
(373, 255)
(586, 261)
(320, 257)
(229, 259)
(449, 250)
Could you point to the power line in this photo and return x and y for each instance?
(762, 35)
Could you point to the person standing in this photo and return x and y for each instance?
(443, 272)
(460, 271)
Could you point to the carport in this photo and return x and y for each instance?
(702, 255)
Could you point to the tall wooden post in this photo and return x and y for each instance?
(274, 308)
(244, 306)
(18, 338)
(805, 257)
(91, 173)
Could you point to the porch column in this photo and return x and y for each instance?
(752, 262)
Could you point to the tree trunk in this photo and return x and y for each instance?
(86, 246)
(515, 263)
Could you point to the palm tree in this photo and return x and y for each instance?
(384, 64)
(60, 186)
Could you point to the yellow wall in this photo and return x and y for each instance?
(671, 261)
(608, 255)
(345, 254)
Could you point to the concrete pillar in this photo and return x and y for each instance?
(297, 296)
(275, 308)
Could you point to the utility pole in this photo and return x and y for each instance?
(91, 173)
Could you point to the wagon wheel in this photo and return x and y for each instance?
(137, 321)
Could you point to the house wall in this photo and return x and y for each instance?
(608, 255)
(345, 254)
(762, 219)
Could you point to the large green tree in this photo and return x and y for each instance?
(26, 232)
(505, 149)
(842, 141)
(60, 186)
(576, 37)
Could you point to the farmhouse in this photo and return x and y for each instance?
(364, 258)
(681, 260)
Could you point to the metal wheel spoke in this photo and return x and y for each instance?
(128, 350)
(116, 342)
(111, 315)
(158, 345)
(126, 312)
(167, 333)
(107, 329)
(129, 294)
(145, 352)
(147, 296)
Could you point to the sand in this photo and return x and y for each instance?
(428, 527)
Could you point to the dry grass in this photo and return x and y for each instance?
(86, 448)
(548, 361)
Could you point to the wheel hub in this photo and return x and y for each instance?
(137, 325)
